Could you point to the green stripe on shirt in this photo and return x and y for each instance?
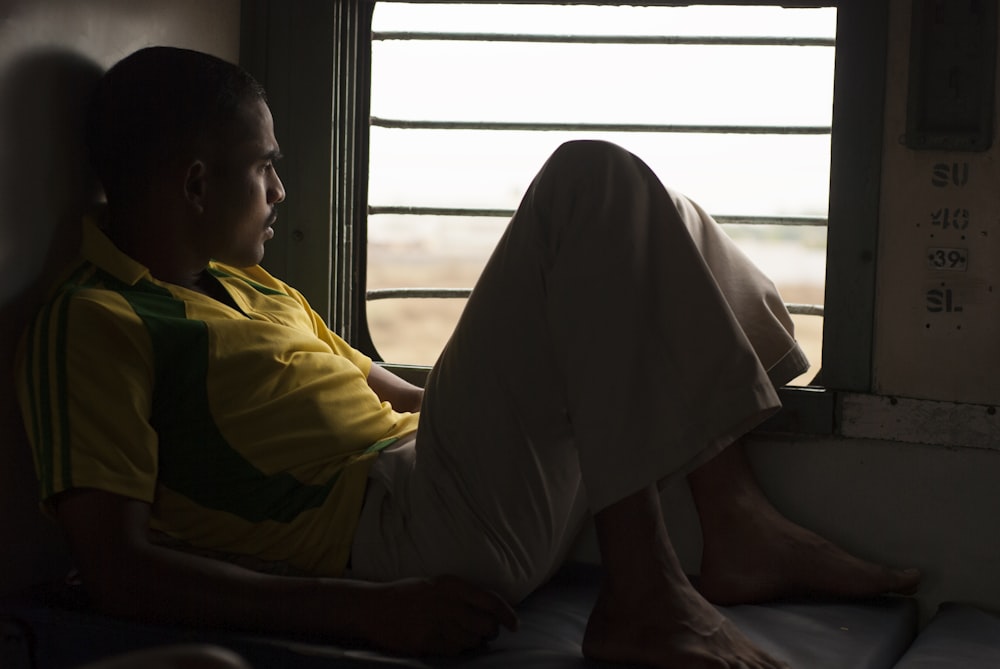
(52, 425)
(195, 459)
(37, 386)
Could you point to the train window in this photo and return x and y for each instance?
(731, 105)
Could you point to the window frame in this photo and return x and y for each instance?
(296, 49)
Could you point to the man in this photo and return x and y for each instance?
(173, 385)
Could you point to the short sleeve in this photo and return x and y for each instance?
(85, 378)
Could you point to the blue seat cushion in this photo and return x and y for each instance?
(958, 635)
(808, 634)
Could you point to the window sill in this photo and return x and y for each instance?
(812, 410)
(819, 411)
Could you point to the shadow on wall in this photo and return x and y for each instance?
(45, 187)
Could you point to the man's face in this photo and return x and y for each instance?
(242, 189)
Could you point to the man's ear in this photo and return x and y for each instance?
(195, 185)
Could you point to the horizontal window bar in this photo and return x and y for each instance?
(401, 124)
(440, 211)
(413, 293)
(817, 221)
(607, 39)
(804, 309)
(396, 293)
(507, 213)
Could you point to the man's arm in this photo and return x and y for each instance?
(126, 575)
(401, 394)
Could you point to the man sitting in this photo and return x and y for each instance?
(172, 385)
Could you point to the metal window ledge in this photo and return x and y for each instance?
(812, 410)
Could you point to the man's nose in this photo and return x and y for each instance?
(276, 193)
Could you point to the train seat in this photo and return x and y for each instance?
(959, 635)
(814, 635)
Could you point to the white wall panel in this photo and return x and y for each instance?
(937, 320)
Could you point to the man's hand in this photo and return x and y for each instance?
(401, 394)
(437, 616)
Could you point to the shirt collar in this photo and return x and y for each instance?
(100, 250)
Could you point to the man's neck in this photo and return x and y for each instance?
(207, 284)
(162, 251)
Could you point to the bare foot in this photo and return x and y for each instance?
(668, 630)
(752, 553)
(647, 612)
(765, 556)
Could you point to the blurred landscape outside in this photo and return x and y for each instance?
(728, 174)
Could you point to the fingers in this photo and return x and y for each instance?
(472, 616)
(480, 612)
(441, 616)
(485, 602)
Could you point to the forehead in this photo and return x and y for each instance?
(252, 129)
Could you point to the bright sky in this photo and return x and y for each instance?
(463, 81)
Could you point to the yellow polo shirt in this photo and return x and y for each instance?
(248, 430)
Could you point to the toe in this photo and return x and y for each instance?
(907, 581)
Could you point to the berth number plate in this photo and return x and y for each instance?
(948, 258)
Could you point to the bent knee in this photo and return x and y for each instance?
(588, 166)
(584, 152)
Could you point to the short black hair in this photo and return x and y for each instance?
(154, 103)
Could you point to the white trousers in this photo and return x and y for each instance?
(615, 339)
